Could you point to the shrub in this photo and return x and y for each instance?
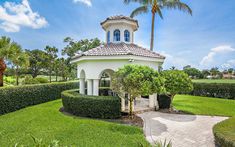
(224, 133)
(176, 82)
(15, 98)
(136, 80)
(29, 80)
(42, 80)
(91, 106)
(39, 80)
(219, 90)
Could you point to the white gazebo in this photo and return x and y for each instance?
(118, 51)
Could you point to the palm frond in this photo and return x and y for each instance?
(159, 12)
(176, 4)
(140, 10)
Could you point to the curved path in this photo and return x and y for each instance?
(181, 130)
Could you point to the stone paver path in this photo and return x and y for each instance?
(181, 130)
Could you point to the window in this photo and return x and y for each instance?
(127, 36)
(108, 37)
(116, 35)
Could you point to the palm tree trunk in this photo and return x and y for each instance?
(50, 75)
(56, 76)
(17, 75)
(152, 31)
(2, 69)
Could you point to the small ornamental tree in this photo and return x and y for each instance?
(136, 80)
(176, 82)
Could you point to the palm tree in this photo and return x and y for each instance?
(156, 6)
(5, 52)
(19, 59)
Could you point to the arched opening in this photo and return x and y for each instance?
(116, 35)
(127, 36)
(82, 74)
(105, 83)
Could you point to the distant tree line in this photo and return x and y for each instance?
(15, 61)
(213, 73)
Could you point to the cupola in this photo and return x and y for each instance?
(120, 29)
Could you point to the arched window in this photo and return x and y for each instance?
(127, 36)
(108, 37)
(116, 35)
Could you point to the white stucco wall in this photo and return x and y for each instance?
(94, 68)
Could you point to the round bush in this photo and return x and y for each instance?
(107, 107)
(42, 80)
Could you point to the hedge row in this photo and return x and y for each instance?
(91, 106)
(15, 98)
(219, 90)
(224, 133)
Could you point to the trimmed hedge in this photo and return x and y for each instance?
(224, 133)
(91, 106)
(18, 97)
(219, 90)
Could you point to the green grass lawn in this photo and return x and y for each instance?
(47, 123)
(11, 80)
(214, 81)
(204, 105)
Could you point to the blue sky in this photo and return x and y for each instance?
(204, 40)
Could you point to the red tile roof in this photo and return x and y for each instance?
(113, 49)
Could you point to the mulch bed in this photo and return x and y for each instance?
(125, 119)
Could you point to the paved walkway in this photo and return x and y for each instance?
(181, 130)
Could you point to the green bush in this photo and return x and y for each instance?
(219, 90)
(29, 80)
(38, 80)
(42, 80)
(91, 106)
(15, 98)
(224, 133)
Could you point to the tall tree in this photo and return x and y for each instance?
(37, 61)
(231, 70)
(5, 53)
(74, 47)
(83, 45)
(214, 71)
(52, 55)
(156, 7)
(19, 59)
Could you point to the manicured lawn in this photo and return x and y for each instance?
(214, 81)
(47, 123)
(204, 105)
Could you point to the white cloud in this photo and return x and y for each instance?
(176, 61)
(87, 2)
(13, 16)
(229, 64)
(209, 59)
